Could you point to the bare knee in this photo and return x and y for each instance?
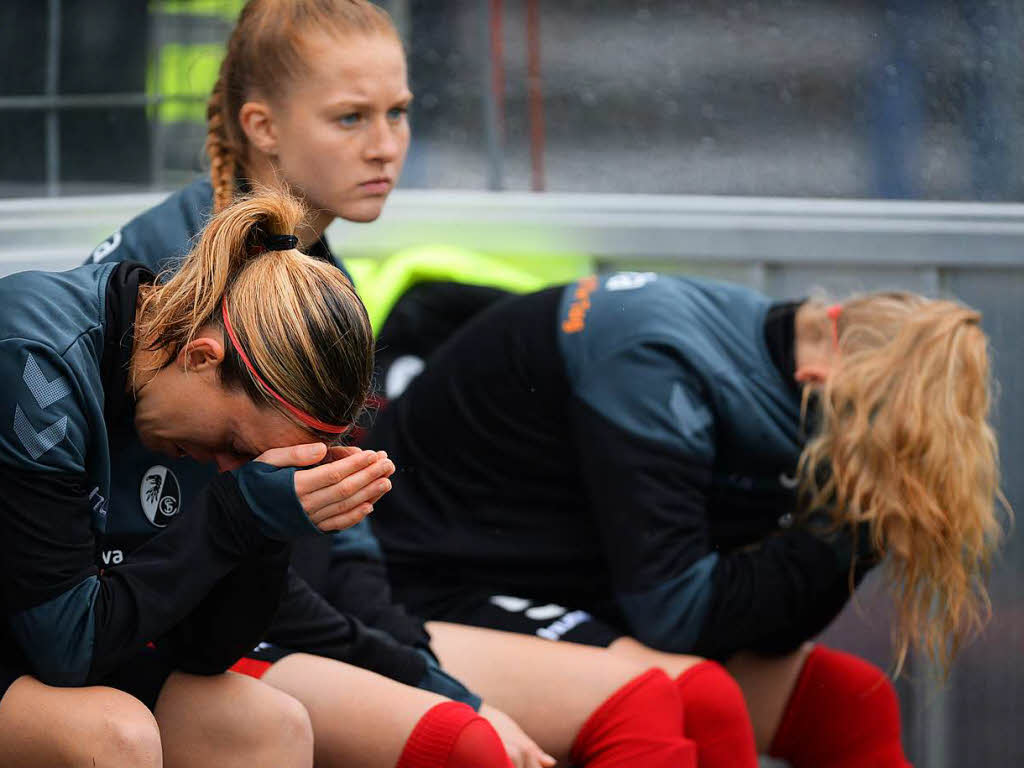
(231, 720)
(124, 736)
(76, 727)
(274, 730)
(289, 724)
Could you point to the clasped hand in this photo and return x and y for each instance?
(344, 485)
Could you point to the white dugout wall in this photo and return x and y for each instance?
(785, 247)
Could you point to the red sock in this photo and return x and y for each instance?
(716, 718)
(843, 713)
(640, 724)
(452, 735)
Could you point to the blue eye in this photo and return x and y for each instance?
(350, 119)
(397, 113)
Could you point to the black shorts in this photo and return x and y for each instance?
(530, 617)
(8, 674)
(142, 676)
(13, 663)
(260, 659)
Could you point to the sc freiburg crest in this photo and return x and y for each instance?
(160, 495)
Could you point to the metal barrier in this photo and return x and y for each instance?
(782, 246)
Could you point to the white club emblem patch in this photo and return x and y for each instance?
(629, 281)
(160, 495)
(106, 248)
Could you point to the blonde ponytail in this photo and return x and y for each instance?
(909, 451)
(298, 319)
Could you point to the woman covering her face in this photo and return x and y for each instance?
(623, 458)
(197, 364)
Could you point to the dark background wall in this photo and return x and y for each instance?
(865, 98)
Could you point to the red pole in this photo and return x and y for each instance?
(535, 95)
(498, 65)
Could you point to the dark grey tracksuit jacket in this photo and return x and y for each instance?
(396, 644)
(624, 445)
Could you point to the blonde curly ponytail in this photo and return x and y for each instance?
(909, 451)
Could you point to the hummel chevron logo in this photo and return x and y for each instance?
(45, 392)
(38, 443)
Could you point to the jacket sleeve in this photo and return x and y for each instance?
(76, 623)
(306, 622)
(233, 616)
(646, 441)
(357, 583)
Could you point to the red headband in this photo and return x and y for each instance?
(833, 314)
(301, 415)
